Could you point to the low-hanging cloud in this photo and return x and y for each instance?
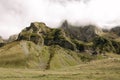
(17, 14)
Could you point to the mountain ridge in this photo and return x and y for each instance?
(39, 46)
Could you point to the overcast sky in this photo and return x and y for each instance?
(18, 14)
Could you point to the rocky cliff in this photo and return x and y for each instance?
(86, 33)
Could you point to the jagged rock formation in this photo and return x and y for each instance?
(86, 33)
(40, 34)
(58, 37)
(35, 33)
(103, 41)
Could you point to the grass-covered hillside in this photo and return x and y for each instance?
(26, 54)
(105, 69)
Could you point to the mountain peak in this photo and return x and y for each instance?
(84, 33)
(37, 24)
(34, 33)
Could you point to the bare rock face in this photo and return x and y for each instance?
(89, 32)
(86, 33)
(58, 37)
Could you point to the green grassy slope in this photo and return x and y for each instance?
(26, 54)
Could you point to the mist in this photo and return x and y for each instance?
(18, 14)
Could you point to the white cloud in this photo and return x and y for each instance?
(17, 14)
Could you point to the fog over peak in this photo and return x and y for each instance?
(17, 14)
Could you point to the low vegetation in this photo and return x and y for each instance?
(105, 69)
(27, 54)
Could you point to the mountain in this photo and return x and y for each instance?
(1, 40)
(100, 40)
(39, 46)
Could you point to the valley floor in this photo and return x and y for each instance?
(105, 69)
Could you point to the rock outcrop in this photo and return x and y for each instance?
(103, 44)
(58, 37)
(86, 33)
(35, 33)
(40, 34)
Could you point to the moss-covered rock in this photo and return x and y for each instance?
(40, 34)
(58, 37)
(103, 44)
(36, 33)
